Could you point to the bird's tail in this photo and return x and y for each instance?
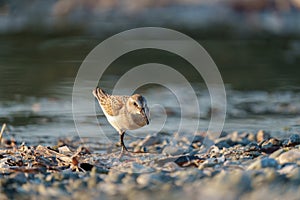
(99, 93)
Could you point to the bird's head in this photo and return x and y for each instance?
(137, 104)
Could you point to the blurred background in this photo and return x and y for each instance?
(255, 44)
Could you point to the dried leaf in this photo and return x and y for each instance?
(64, 150)
(49, 152)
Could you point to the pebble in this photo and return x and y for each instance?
(211, 162)
(198, 137)
(289, 156)
(186, 160)
(265, 175)
(270, 145)
(262, 135)
(136, 168)
(129, 179)
(251, 137)
(234, 166)
(150, 140)
(277, 153)
(170, 166)
(172, 151)
(223, 143)
(294, 174)
(240, 138)
(293, 140)
(19, 178)
(235, 181)
(77, 184)
(263, 163)
(188, 176)
(115, 176)
(287, 169)
(152, 179)
(93, 181)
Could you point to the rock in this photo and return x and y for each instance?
(187, 160)
(265, 175)
(262, 135)
(99, 170)
(3, 196)
(294, 174)
(134, 168)
(271, 174)
(263, 163)
(70, 175)
(152, 179)
(115, 176)
(172, 151)
(40, 177)
(170, 166)
(93, 181)
(271, 145)
(268, 162)
(252, 146)
(251, 137)
(146, 179)
(287, 169)
(18, 177)
(50, 191)
(289, 156)
(224, 143)
(252, 150)
(292, 141)
(129, 179)
(234, 136)
(211, 162)
(162, 161)
(78, 184)
(4, 166)
(277, 153)
(199, 137)
(235, 181)
(214, 152)
(49, 178)
(240, 138)
(224, 134)
(232, 139)
(188, 176)
(109, 188)
(60, 176)
(150, 140)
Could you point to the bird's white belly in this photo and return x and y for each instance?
(122, 123)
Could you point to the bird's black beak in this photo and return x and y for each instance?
(144, 115)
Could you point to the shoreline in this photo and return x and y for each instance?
(236, 166)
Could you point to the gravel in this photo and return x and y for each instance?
(237, 166)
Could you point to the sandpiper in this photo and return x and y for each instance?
(123, 112)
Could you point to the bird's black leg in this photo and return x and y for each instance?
(124, 149)
(122, 142)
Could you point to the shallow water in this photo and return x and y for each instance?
(37, 75)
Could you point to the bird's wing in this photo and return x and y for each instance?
(110, 103)
(116, 104)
